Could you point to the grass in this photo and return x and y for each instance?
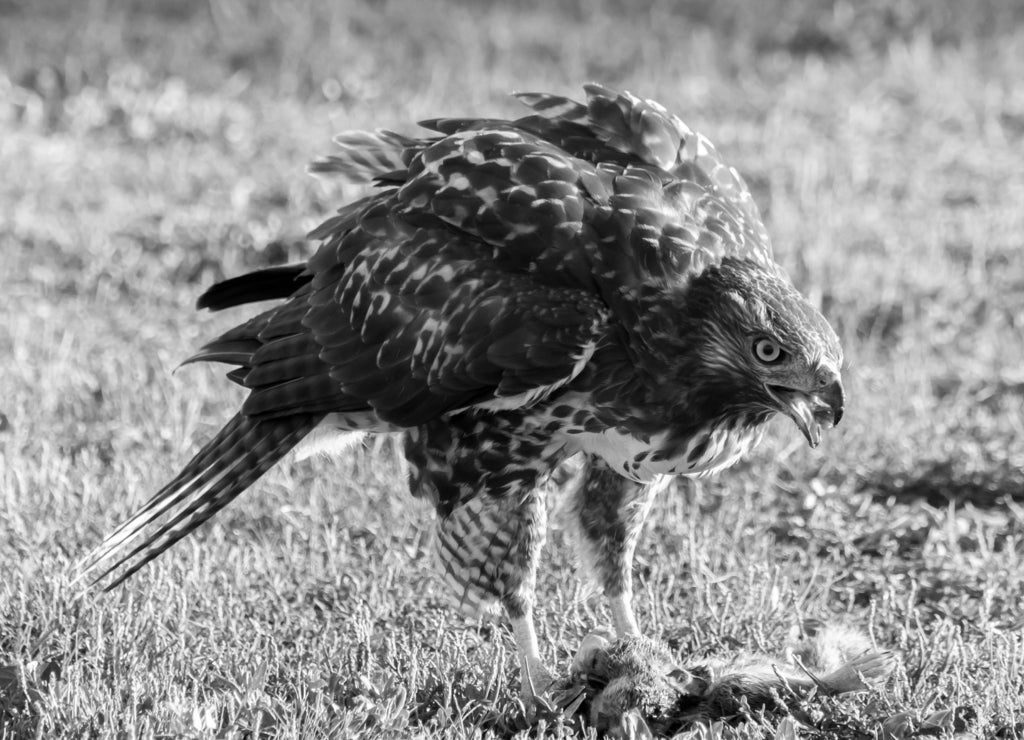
(148, 150)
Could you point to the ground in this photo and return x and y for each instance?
(149, 149)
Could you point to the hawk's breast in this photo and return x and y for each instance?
(645, 457)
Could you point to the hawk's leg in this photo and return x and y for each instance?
(482, 473)
(489, 548)
(609, 512)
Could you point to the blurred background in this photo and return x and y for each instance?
(149, 148)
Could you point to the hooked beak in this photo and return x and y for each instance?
(812, 411)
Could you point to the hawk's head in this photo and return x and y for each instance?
(755, 346)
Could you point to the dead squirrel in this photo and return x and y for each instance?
(635, 687)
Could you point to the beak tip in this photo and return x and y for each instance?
(836, 399)
(813, 412)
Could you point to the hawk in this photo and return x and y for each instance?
(590, 278)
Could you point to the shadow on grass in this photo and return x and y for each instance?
(944, 482)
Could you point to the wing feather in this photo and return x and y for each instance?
(644, 129)
(494, 223)
(262, 285)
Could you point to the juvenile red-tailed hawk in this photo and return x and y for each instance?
(590, 278)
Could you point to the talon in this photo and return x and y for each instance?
(535, 691)
(538, 700)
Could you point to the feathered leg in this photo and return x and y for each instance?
(488, 548)
(609, 512)
(483, 474)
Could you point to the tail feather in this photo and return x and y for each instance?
(205, 470)
(241, 453)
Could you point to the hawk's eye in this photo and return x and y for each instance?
(767, 351)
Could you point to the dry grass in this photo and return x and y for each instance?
(146, 152)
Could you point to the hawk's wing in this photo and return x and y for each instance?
(620, 130)
(468, 286)
(487, 270)
(643, 129)
(417, 317)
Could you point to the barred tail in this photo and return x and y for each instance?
(241, 452)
